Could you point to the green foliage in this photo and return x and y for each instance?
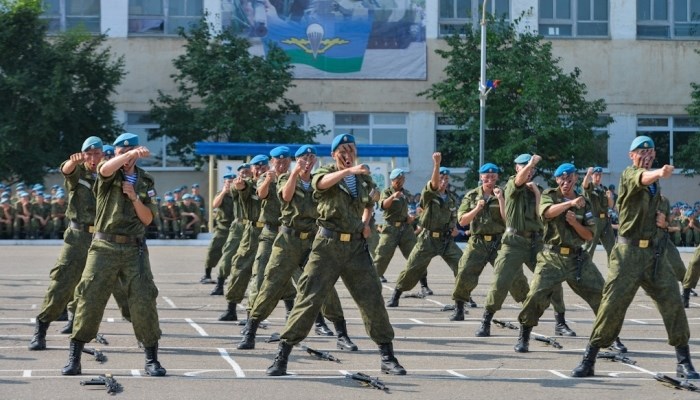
(536, 109)
(225, 94)
(53, 93)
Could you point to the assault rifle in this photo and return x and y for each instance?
(614, 356)
(323, 355)
(367, 380)
(99, 356)
(100, 338)
(675, 383)
(111, 384)
(505, 324)
(548, 340)
(275, 337)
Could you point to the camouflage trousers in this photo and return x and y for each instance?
(329, 260)
(629, 268)
(693, 274)
(262, 256)
(603, 234)
(235, 234)
(216, 245)
(390, 238)
(242, 264)
(425, 250)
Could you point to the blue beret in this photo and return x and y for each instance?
(38, 186)
(230, 176)
(565, 169)
(396, 173)
(187, 196)
(523, 159)
(642, 142)
(243, 166)
(2, 186)
(169, 199)
(39, 193)
(55, 187)
(280, 152)
(168, 194)
(259, 160)
(444, 171)
(342, 139)
(4, 195)
(597, 169)
(126, 139)
(177, 190)
(195, 185)
(305, 149)
(60, 196)
(489, 168)
(23, 194)
(4, 200)
(93, 142)
(689, 213)
(47, 196)
(108, 150)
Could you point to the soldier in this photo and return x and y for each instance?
(108, 152)
(290, 252)
(125, 197)
(520, 244)
(568, 224)
(41, 217)
(691, 278)
(242, 262)
(235, 234)
(632, 264)
(198, 199)
(170, 214)
(223, 216)
(483, 209)
(23, 217)
(7, 217)
(59, 222)
(439, 222)
(601, 200)
(346, 196)
(190, 217)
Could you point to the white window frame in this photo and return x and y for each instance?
(158, 147)
(669, 128)
(59, 21)
(455, 23)
(162, 24)
(550, 27)
(666, 28)
(372, 126)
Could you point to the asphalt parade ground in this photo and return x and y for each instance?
(444, 359)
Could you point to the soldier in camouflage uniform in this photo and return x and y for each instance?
(7, 218)
(235, 234)
(483, 209)
(170, 215)
(190, 217)
(41, 217)
(242, 262)
(58, 216)
(125, 197)
(346, 195)
(439, 222)
(223, 216)
(691, 278)
(568, 224)
(632, 264)
(520, 244)
(601, 200)
(290, 251)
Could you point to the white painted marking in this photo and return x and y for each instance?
(196, 327)
(135, 372)
(236, 368)
(647, 307)
(416, 321)
(457, 374)
(433, 301)
(559, 374)
(34, 307)
(110, 319)
(27, 373)
(32, 320)
(170, 302)
(639, 321)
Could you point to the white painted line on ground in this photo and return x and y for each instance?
(581, 307)
(416, 321)
(135, 372)
(647, 307)
(639, 321)
(34, 306)
(196, 327)
(170, 302)
(457, 374)
(646, 371)
(32, 320)
(388, 287)
(559, 374)
(344, 372)
(236, 368)
(110, 319)
(433, 301)
(27, 373)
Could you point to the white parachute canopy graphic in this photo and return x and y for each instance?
(314, 33)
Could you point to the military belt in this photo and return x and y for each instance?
(119, 239)
(603, 215)
(486, 238)
(343, 237)
(293, 232)
(641, 243)
(397, 224)
(525, 234)
(272, 228)
(256, 224)
(435, 234)
(562, 250)
(82, 227)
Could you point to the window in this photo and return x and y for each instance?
(668, 19)
(66, 14)
(375, 129)
(600, 138)
(669, 135)
(163, 16)
(455, 15)
(141, 124)
(574, 18)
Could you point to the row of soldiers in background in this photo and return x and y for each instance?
(32, 214)
(180, 216)
(684, 228)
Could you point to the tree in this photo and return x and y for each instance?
(687, 156)
(54, 92)
(537, 108)
(225, 94)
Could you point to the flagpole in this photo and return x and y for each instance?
(482, 88)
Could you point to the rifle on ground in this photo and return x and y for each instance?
(615, 356)
(414, 295)
(448, 307)
(106, 380)
(505, 324)
(100, 338)
(548, 340)
(275, 337)
(367, 380)
(323, 355)
(99, 356)
(675, 383)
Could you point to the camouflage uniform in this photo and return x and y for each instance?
(693, 274)
(59, 219)
(222, 221)
(43, 210)
(22, 228)
(170, 215)
(603, 232)
(396, 232)
(233, 241)
(184, 219)
(6, 228)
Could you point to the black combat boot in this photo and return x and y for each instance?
(586, 367)
(63, 316)
(472, 303)
(458, 314)
(685, 369)
(394, 300)
(485, 328)
(686, 298)
(279, 365)
(561, 328)
(288, 306)
(39, 339)
(248, 341)
(424, 289)
(320, 326)
(382, 279)
(344, 342)
(523, 345)
(390, 365)
(219, 288)
(153, 367)
(230, 314)
(75, 350)
(68, 327)
(618, 346)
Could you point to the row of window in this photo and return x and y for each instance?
(670, 19)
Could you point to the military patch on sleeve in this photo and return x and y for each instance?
(152, 193)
